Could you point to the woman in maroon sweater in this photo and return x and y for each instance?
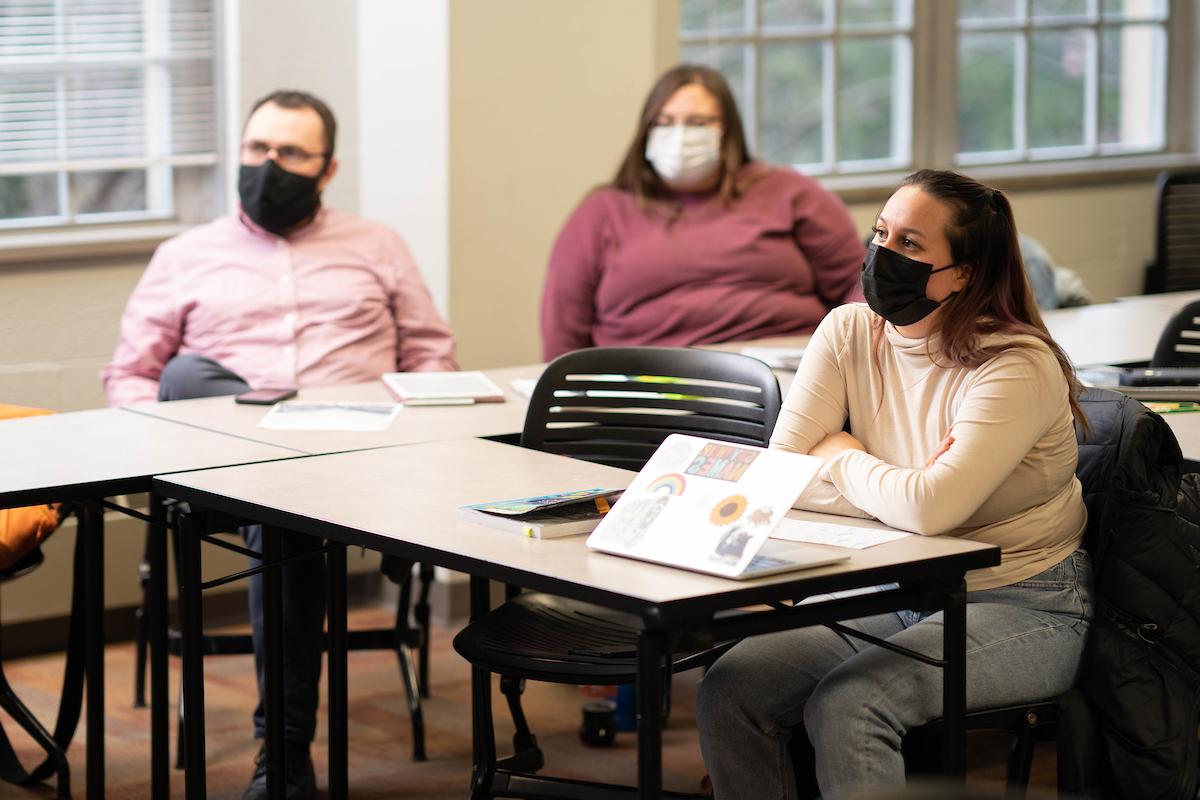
(694, 241)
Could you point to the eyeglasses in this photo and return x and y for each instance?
(286, 155)
(695, 120)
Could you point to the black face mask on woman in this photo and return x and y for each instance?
(894, 285)
(275, 199)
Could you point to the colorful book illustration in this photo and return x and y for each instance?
(545, 516)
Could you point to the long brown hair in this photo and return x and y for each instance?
(997, 297)
(635, 174)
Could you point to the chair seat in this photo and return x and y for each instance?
(555, 639)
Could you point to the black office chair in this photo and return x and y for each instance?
(611, 406)
(1179, 345)
(1028, 723)
(70, 701)
(1176, 264)
(409, 641)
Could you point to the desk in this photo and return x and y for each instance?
(401, 502)
(414, 424)
(90, 455)
(1175, 300)
(1108, 333)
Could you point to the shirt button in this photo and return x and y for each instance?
(285, 280)
(289, 319)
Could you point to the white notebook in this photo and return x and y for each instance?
(710, 506)
(415, 388)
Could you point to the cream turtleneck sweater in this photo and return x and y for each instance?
(1009, 477)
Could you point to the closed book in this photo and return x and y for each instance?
(544, 517)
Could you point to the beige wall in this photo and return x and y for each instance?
(543, 97)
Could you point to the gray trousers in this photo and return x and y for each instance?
(190, 376)
(856, 700)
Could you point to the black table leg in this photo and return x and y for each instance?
(191, 614)
(160, 749)
(954, 682)
(272, 586)
(338, 686)
(483, 736)
(92, 529)
(651, 678)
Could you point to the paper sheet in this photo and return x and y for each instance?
(799, 530)
(523, 386)
(303, 415)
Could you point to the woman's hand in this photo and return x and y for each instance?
(835, 443)
(942, 447)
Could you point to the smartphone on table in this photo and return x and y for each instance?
(264, 397)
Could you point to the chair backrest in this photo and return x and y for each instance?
(615, 405)
(1179, 344)
(1177, 237)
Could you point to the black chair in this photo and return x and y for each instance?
(1176, 264)
(1027, 723)
(70, 701)
(1179, 345)
(611, 406)
(409, 641)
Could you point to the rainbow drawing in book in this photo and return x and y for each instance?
(671, 483)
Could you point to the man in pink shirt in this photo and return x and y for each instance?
(282, 293)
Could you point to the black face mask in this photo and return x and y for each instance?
(275, 199)
(894, 285)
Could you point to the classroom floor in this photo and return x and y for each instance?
(380, 735)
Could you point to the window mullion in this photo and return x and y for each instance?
(1021, 84)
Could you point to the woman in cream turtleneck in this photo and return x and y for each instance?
(961, 411)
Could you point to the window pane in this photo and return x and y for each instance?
(791, 103)
(1058, 81)
(103, 27)
(987, 9)
(28, 119)
(986, 91)
(27, 28)
(106, 192)
(1143, 9)
(1131, 86)
(729, 60)
(868, 12)
(1059, 8)
(793, 13)
(23, 196)
(697, 16)
(105, 114)
(866, 100)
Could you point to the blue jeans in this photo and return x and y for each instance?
(189, 376)
(857, 700)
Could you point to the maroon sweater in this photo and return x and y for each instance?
(772, 263)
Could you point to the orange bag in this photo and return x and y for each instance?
(23, 529)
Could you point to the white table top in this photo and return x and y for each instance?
(1108, 333)
(411, 494)
(46, 457)
(412, 424)
(1176, 300)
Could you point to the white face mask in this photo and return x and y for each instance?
(684, 155)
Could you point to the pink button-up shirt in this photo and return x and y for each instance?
(338, 301)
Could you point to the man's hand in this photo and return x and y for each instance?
(942, 447)
(835, 443)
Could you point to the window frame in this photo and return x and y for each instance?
(934, 124)
(119, 232)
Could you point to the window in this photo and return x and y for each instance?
(107, 111)
(853, 86)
